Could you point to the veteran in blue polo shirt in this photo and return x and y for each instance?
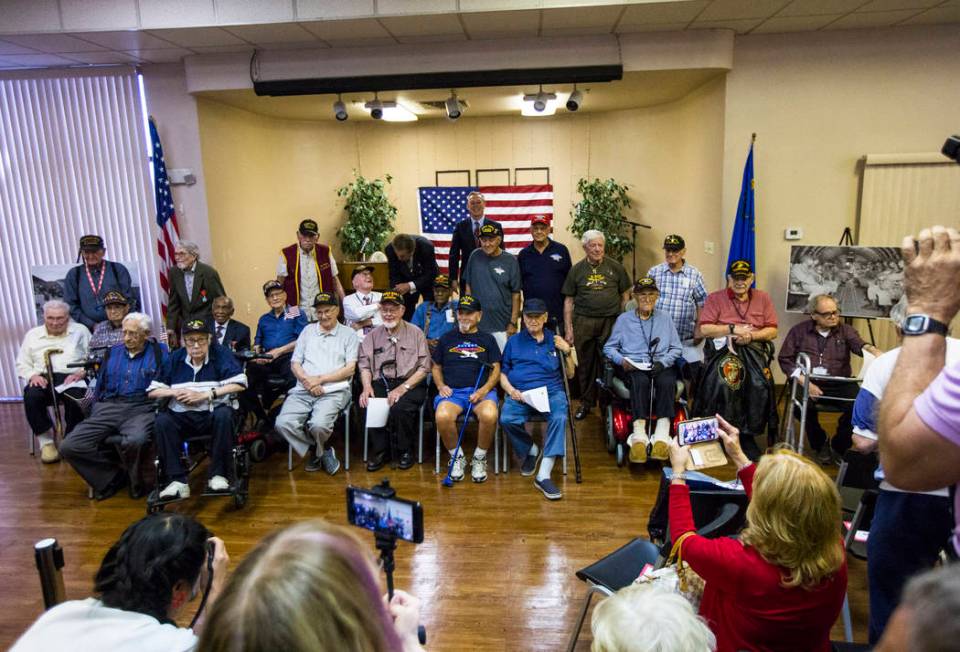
(530, 360)
(460, 357)
(544, 265)
(439, 316)
(200, 380)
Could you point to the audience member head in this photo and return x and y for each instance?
(404, 246)
(469, 314)
(740, 277)
(594, 243)
(824, 311)
(362, 278)
(491, 236)
(56, 316)
(136, 328)
(391, 308)
(275, 295)
(476, 205)
(307, 235)
(92, 250)
(154, 568)
(540, 229)
(645, 293)
(311, 586)
(196, 340)
(116, 306)
(926, 620)
(441, 289)
(793, 517)
(186, 253)
(535, 316)
(328, 309)
(222, 309)
(644, 618)
(674, 249)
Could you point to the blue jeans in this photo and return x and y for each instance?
(906, 535)
(514, 415)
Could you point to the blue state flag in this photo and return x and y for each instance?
(743, 244)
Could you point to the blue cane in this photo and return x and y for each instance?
(448, 481)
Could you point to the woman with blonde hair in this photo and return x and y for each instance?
(781, 585)
(311, 586)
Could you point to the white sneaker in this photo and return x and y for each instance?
(478, 468)
(175, 490)
(49, 453)
(456, 474)
(218, 483)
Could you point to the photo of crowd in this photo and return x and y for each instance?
(383, 515)
(696, 431)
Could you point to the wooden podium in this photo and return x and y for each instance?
(381, 275)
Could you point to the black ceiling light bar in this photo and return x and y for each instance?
(420, 81)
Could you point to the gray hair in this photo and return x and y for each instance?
(590, 235)
(189, 246)
(224, 299)
(56, 304)
(815, 301)
(933, 599)
(642, 617)
(144, 322)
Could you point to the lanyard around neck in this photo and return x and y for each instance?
(103, 273)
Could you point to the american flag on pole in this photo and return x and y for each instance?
(442, 207)
(169, 233)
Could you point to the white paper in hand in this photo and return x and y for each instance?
(377, 411)
(537, 398)
(642, 366)
(337, 386)
(61, 388)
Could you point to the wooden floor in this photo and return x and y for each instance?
(495, 572)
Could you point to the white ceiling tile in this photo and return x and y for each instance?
(893, 5)
(222, 49)
(432, 38)
(652, 27)
(872, 19)
(100, 58)
(231, 12)
(12, 48)
(36, 60)
(165, 55)
(573, 17)
(362, 42)
(347, 30)
(780, 24)
(820, 7)
(395, 7)
(498, 24)
(156, 14)
(739, 26)
(585, 30)
(189, 37)
(493, 5)
(307, 9)
(30, 16)
(55, 43)
(125, 40)
(99, 14)
(433, 25)
(940, 15)
(662, 12)
(741, 9)
(272, 33)
(299, 45)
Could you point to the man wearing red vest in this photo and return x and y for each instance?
(306, 268)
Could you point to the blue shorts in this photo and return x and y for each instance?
(461, 397)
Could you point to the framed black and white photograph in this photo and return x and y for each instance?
(48, 284)
(866, 281)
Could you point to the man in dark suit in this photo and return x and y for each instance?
(227, 331)
(466, 238)
(193, 287)
(413, 266)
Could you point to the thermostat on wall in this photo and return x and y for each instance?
(794, 233)
(181, 177)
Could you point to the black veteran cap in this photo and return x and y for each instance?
(534, 307)
(360, 269)
(441, 281)
(491, 230)
(113, 297)
(91, 243)
(309, 227)
(740, 268)
(645, 283)
(325, 299)
(469, 304)
(674, 242)
(391, 296)
(196, 326)
(270, 285)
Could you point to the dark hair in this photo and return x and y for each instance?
(404, 242)
(139, 571)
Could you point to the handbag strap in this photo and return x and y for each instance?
(676, 551)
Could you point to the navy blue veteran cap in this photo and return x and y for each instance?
(469, 304)
(271, 285)
(740, 268)
(674, 242)
(91, 243)
(114, 297)
(308, 227)
(391, 296)
(645, 284)
(491, 230)
(360, 269)
(196, 326)
(325, 299)
(441, 281)
(534, 307)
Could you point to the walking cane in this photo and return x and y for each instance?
(570, 419)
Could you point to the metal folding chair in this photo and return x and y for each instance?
(346, 440)
(800, 397)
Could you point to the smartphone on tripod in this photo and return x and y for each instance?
(396, 517)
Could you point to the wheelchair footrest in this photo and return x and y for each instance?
(154, 499)
(226, 493)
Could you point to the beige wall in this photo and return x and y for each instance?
(264, 174)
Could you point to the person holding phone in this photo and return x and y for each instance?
(782, 584)
(148, 579)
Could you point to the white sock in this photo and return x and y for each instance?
(453, 453)
(43, 440)
(663, 428)
(534, 450)
(640, 426)
(480, 452)
(546, 466)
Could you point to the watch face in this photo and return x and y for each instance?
(915, 324)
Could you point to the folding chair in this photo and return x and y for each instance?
(800, 397)
(497, 435)
(505, 441)
(345, 413)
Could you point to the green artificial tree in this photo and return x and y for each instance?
(602, 209)
(370, 216)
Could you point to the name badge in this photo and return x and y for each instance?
(449, 312)
(820, 371)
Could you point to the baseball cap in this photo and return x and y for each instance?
(359, 269)
(490, 230)
(740, 268)
(645, 283)
(309, 227)
(91, 243)
(114, 297)
(196, 326)
(442, 281)
(391, 296)
(325, 299)
(674, 242)
(469, 304)
(540, 219)
(534, 307)
(272, 284)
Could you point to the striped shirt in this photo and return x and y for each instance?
(218, 369)
(681, 293)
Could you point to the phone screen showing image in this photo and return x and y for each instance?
(696, 431)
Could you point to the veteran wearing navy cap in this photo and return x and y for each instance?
(493, 276)
(110, 331)
(307, 267)
(439, 316)
(530, 361)
(85, 286)
(544, 265)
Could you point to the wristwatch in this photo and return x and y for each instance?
(731, 326)
(921, 324)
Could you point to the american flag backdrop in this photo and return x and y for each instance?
(442, 207)
(169, 232)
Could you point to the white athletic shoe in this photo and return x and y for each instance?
(218, 483)
(456, 474)
(175, 490)
(478, 468)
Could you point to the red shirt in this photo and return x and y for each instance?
(744, 602)
(721, 308)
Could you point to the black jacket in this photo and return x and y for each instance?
(237, 336)
(422, 271)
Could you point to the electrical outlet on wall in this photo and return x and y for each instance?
(708, 247)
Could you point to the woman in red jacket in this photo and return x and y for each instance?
(780, 587)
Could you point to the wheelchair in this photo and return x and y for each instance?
(259, 443)
(193, 451)
(617, 415)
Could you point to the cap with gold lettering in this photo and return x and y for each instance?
(441, 281)
(115, 298)
(91, 243)
(645, 284)
(325, 299)
(674, 242)
(391, 296)
(196, 326)
(740, 268)
(309, 227)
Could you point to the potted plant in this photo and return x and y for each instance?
(602, 209)
(370, 216)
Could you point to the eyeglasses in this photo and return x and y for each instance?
(194, 343)
(832, 313)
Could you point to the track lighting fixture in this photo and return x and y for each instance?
(453, 106)
(340, 109)
(375, 107)
(575, 100)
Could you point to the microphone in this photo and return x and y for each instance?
(364, 245)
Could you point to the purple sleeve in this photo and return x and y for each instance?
(939, 405)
